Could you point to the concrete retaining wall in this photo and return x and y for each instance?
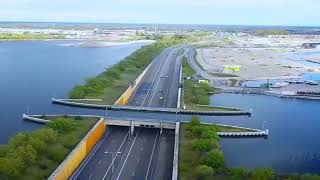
(125, 97)
(176, 152)
(78, 154)
(139, 123)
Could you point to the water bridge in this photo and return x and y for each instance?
(150, 109)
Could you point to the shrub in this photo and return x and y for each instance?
(62, 125)
(204, 171)
(214, 159)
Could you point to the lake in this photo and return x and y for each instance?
(292, 145)
(32, 72)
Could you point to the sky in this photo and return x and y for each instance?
(226, 12)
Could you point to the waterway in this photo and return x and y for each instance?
(32, 72)
(291, 147)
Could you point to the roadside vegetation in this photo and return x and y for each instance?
(28, 36)
(196, 95)
(110, 84)
(266, 32)
(201, 158)
(35, 155)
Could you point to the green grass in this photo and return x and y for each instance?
(35, 155)
(196, 95)
(28, 36)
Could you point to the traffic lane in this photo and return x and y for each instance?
(138, 162)
(152, 86)
(158, 99)
(172, 86)
(139, 96)
(97, 164)
(116, 154)
(164, 158)
(172, 95)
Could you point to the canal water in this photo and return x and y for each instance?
(292, 145)
(32, 72)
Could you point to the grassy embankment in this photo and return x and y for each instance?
(35, 155)
(200, 157)
(110, 84)
(195, 94)
(28, 36)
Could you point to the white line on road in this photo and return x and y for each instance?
(105, 175)
(87, 160)
(161, 74)
(125, 161)
(154, 145)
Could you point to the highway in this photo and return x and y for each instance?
(159, 86)
(147, 154)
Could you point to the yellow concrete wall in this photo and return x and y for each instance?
(72, 163)
(74, 159)
(95, 136)
(124, 98)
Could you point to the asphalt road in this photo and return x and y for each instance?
(144, 155)
(159, 86)
(147, 154)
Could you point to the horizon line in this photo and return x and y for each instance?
(136, 23)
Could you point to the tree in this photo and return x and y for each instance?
(203, 145)
(62, 125)
(239, 174)
(262, 174)
(38, 144)
(204, 171)
(20, 139)
(47, 135)
(214, 159)
(27, 154)
(209, 132)
(10, 167)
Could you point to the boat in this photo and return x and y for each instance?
(279, 84)
(312, 83)
(294, 81)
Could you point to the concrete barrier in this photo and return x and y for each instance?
(78, 154)
(176, 153)
(125, 97)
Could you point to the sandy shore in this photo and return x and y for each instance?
(254, 63)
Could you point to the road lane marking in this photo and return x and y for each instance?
(105, 175)
(87, 160)
(159, 78)
(99, 162)
(125, 161)
(171, 76)
(161, 67)
(151, 157)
